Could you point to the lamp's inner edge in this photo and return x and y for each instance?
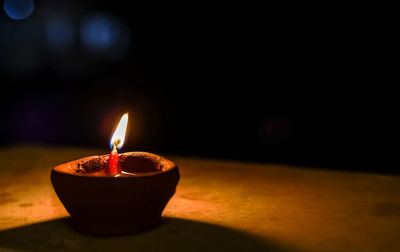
(130, 164)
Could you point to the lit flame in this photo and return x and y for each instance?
(118, 138)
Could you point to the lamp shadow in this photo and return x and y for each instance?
(172, 235)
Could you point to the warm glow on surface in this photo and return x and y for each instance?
(118, 137)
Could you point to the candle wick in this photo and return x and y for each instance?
(113, 161)
(116, 143)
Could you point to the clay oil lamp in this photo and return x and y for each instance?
(118, 193)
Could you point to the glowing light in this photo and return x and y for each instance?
(99, 32)
(118, 137)
(18, 9)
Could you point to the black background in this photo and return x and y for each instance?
(268, 84)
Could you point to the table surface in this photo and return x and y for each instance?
(218, 206)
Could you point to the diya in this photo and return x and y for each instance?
(118, 193)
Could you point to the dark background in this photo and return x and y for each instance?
(268, 84)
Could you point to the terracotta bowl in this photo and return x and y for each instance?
(103, 205)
